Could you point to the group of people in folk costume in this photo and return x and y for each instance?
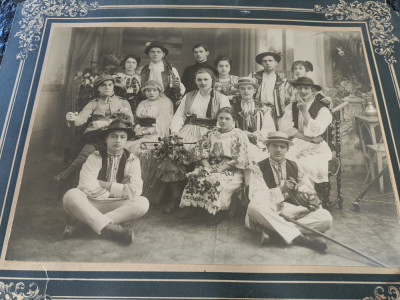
(262, 131)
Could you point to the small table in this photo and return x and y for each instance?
(354, 108)
(380, 152)
(369, 132)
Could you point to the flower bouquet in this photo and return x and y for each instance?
(83, 82)
(172, 158)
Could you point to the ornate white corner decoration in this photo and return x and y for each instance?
(380, 294)
(19, 291)
(34, 13)
(378, 15)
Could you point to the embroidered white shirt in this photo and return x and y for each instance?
(155, 72)
(267, 88)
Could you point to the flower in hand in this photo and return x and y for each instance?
(289, 186)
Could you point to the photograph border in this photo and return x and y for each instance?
(26, 57)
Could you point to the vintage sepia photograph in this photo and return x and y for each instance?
(205, 144)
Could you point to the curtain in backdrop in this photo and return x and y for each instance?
(249, 44)
(85, 49)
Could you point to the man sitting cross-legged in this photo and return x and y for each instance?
(279, 189)
(110, 186)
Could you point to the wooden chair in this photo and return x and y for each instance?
(335, 165)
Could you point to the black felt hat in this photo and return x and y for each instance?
(99, 80)
(275, 55)
(305, 81)
(120, 123)
(155, 44)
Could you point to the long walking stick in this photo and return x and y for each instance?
(333, 240)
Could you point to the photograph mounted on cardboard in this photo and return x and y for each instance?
(211, 144)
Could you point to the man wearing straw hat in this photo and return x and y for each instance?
(279, 189)
(110, 187)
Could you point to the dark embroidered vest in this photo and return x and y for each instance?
(240, 119)
(278, 109)
(291, 171)
(121, 167)
(145, 74)
(313, 110)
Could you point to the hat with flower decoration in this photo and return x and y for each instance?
(155, 44)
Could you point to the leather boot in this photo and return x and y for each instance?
(314, 242)
(64, 176)
(118, 233)
(172, 206)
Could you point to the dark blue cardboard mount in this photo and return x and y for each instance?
(15, 114)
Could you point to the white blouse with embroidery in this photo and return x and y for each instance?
(315, 127)
(199, 108)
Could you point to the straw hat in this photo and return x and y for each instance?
(278, 136)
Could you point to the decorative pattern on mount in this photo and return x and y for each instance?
(379, 294)
(34, 13)
(18, 291)
(378, 14)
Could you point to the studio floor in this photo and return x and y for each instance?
(165, 239)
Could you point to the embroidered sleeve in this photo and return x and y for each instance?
(268, 123)
(88, 182)
(317, 126)
(182, 87)
(203, 147)
(234, 81)
(127, 108)
(303, 179)
(224, 102)
(259, 193)
(288, 93)
(240, 150)
(179, 118)
(132, 184)
(287, 124)
(85, 113)
(291, 92)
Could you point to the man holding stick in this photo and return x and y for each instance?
(280, 191)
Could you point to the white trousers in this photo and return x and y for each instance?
(98, 214)
(259, 213)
